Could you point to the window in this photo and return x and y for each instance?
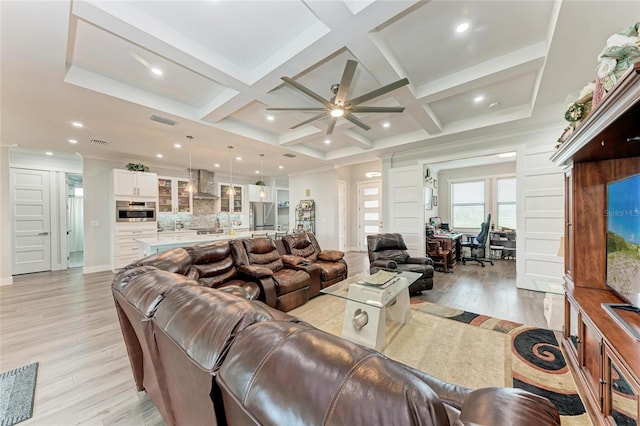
(506, 203)
(467, 204)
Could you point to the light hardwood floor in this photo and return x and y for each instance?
(66, 321)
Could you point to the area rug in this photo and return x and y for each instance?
(17, 388)
(470, 350)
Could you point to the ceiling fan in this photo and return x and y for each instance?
(339, 106)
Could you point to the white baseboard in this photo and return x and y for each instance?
(92, 269)
(353, 249)
(6, 280)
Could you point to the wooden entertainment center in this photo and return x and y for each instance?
(603, 356)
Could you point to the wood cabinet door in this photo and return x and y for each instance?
(591, 359)
(621, 392)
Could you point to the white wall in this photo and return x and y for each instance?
(5, 219)
(322, 188)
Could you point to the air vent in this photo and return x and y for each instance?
(163, 120)
(288, 155)
(98, 142)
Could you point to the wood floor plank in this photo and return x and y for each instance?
(67, 322)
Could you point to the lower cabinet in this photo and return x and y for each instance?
(125, 244)
(610, 391)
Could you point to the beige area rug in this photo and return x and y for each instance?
(470, 350)
(426, 341)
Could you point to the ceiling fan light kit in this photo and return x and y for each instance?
(339, 105)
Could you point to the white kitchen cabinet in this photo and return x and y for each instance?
(134, 184)
(173, 197)
(231, 203)
(254, 193)
(125, 246)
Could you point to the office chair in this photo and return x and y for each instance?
(478, 242)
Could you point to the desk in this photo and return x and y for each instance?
(451, 242)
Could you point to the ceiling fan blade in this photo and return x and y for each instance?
(306, 91)
(345, 82)
(376, 109)
(352, 118)
(332, 124)
(324, 114)
(381, 91)
(297, 109)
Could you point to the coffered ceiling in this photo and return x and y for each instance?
(510, 72)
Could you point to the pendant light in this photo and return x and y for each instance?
(190, 186)
(262, 194)
(231, 190)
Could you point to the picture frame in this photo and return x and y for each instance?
(435, 200)
(435, 183)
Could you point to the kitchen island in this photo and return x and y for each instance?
(157, 244)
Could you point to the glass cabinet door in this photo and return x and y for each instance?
(621, 395)
(165, 204)
(224, 198)
(183, 197)
(237, 199)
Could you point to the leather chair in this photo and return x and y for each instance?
(477, 243)
(283, 286)
(304, 246)
(389, 251)
(213, 266)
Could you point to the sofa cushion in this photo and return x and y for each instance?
(398, 256)
(289, 280)
(263, 252)
(331, 270)
(173, 260)
(330, 255)
(301, 245)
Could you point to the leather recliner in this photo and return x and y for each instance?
(258, 260)
(304, 246)
(389, 251)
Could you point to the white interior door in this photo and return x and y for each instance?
(369, 211)
(31, 221)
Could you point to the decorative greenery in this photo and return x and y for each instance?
(136, 167)
(260, 182)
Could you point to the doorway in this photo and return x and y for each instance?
(75, 220)
(369, 211)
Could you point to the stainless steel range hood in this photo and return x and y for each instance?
(203, 180)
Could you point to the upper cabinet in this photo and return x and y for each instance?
(254, 193)
(173, 196)
(134, 184)
(231, 203)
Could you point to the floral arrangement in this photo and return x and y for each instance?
(136, 167)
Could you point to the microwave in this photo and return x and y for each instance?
(135, 211)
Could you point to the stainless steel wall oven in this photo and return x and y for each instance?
(135, 211)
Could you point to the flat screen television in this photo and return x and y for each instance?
(623, 251)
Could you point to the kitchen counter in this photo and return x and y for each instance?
(160, 243)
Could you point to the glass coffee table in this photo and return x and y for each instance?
(370, 304)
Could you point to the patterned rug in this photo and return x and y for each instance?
(538, 364)
(16, 394)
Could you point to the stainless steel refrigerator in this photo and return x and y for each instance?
(262, 216)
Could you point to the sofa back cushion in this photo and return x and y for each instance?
(263, 252)
(388, 246)
(337, 382)
(174, 260)
(213, 263)
(300, 245)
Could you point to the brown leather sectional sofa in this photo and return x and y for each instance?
(210, 356)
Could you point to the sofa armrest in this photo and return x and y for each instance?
(502, 406)
(193, 274)
(449, 393)
(292, 260)
(255, 272)
(382, 263)
(420, 260)
(330, 255)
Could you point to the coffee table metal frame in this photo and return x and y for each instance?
(369, 306)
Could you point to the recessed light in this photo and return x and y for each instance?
(479, 98)
(386, 124)
(270, 117)
(77, 124)
(327, 141)
(462, 27)
(507, 154)
(177, 145)
(257, 172)
(239, 158)
(159, 155)
(156, 71)
(73, 141)
(281, 167)
(373, 174)
(216, 165)
(48, 153)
